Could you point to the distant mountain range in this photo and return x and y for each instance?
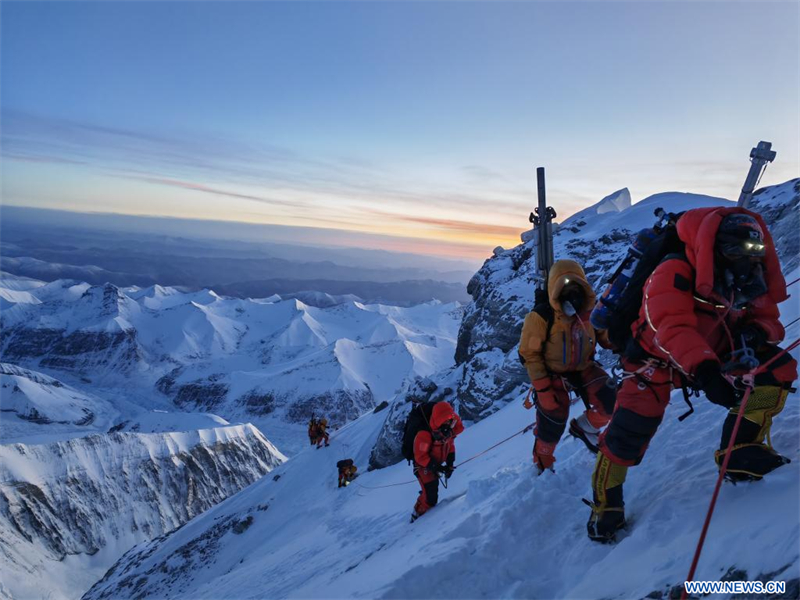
(50, 245)
(271, 361)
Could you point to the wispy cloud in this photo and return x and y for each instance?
(43, 159)
(335, 191)
(198, 187)
(470, 227)
(208, 160)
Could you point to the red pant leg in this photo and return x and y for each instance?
(550, 424)
(600, 396)
(429, 496)
(641, 402)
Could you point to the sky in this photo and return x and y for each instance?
(419, 124)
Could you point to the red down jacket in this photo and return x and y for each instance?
(426, 449)
(682, 319)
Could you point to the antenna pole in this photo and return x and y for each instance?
(543, 226)
(760, 157)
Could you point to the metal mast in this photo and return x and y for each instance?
(543, 226)
(760, 156)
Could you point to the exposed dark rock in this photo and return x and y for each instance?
(338, 406)
(260, 404)
(203, 394)
(241, 526)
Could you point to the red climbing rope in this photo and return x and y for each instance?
(713, 503)
(388, 485)
(788, 348)
(723, 469)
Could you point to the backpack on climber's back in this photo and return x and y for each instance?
(618, 308)
(542, 307)
(418, 420)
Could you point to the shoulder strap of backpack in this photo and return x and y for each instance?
(548, 314)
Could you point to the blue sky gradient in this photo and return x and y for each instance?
(417, 120)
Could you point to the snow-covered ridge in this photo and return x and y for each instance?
(36, 398)
(270, 361)
(69, 509)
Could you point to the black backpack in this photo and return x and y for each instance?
(665, 244)
(541, 306)
(419, 419)
(345, 463)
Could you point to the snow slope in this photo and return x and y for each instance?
(69, 509)
(499, 531)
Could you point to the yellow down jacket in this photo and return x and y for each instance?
(572, 340)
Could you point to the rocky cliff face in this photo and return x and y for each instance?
(84, 501)
(488, 373)
(780, 207)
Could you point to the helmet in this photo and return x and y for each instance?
(740, 235)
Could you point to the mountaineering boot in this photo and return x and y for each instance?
(543, 457)
(750, 462)
(608, 508)
(414, 516)
(752, 458)
(605, 522)
(581, 429)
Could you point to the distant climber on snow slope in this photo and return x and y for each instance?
(557, 347)
(429, 441)
(713, 294)
(347, 471)
(312, 431)
(322, 433)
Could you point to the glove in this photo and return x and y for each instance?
(436, 468)
(448, 471)
(718, 389)
(543, 455)
(528, 404)
(545, 397)
(754, 336)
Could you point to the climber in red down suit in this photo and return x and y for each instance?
(432, 449)
(718, 296)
